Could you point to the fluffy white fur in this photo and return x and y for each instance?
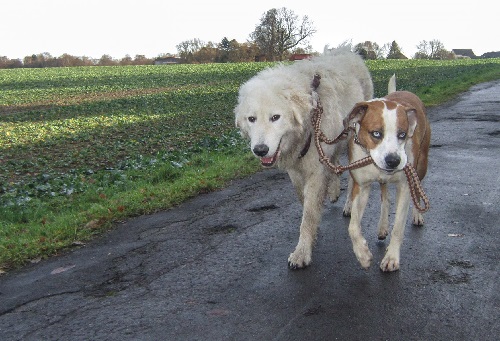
(274, 113)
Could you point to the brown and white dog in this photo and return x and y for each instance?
(394, 131)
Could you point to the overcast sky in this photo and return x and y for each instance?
(150, 27)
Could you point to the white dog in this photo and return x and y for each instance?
(274, 113)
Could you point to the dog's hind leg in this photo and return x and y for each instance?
(383, 223)
(348, 200)
(314, 196)
(417, 217)
(390, 262)
(334, 180)
(334, 187)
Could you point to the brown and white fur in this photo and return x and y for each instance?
(393, 130)
(274, 114)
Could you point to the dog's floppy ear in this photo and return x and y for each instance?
(240, 124)
(356, 115)
(412, 121)
(299, 104)
(298, 108)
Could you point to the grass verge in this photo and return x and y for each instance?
(46, 227)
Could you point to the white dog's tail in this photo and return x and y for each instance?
(344, 47)
(391, 87)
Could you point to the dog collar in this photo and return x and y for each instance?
(356, 139)
(304, 150)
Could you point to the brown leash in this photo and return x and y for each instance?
(416, 190)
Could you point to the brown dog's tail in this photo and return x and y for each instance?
(391, 87)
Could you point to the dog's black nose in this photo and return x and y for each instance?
(392, 160)
(261, 150)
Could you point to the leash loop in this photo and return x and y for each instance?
(416, 190)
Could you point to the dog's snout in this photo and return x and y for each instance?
(392, 160)
(261, 150)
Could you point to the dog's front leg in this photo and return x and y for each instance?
(390, 262)
(360, 196)
(314, 195)
(383, 223)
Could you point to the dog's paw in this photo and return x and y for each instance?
(363, 254)
(418, 218)
(333, 198)
(382, 233)
(383, 227)
(334, 190)
(347, 209)
(299, 259)
(390, 262)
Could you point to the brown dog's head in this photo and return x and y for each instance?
(383, 127)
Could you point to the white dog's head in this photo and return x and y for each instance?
(383, 127)
(271, 114)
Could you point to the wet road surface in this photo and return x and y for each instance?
(215, 268)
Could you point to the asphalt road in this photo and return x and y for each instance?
(215, 268)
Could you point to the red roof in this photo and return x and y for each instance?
(299, 56)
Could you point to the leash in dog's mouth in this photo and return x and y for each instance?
(388, 171)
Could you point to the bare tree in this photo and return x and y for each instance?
(279, 31)
(187, 49)
(433, 49)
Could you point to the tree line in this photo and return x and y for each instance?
(279, 34)
(227, 51)
(45, 59)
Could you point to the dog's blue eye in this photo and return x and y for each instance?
(376, 134)
(402, 135)
(275, 118)
(252, 119)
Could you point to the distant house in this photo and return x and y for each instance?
(167, 60)
(464, 53)
(299, 56)
(491, 55)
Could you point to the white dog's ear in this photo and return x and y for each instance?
(299, 106)
(241, 126)
(356, 115)
(412, 121)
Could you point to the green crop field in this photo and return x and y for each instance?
(86, 147)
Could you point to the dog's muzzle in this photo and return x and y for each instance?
(261, 151)
(392, 161)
